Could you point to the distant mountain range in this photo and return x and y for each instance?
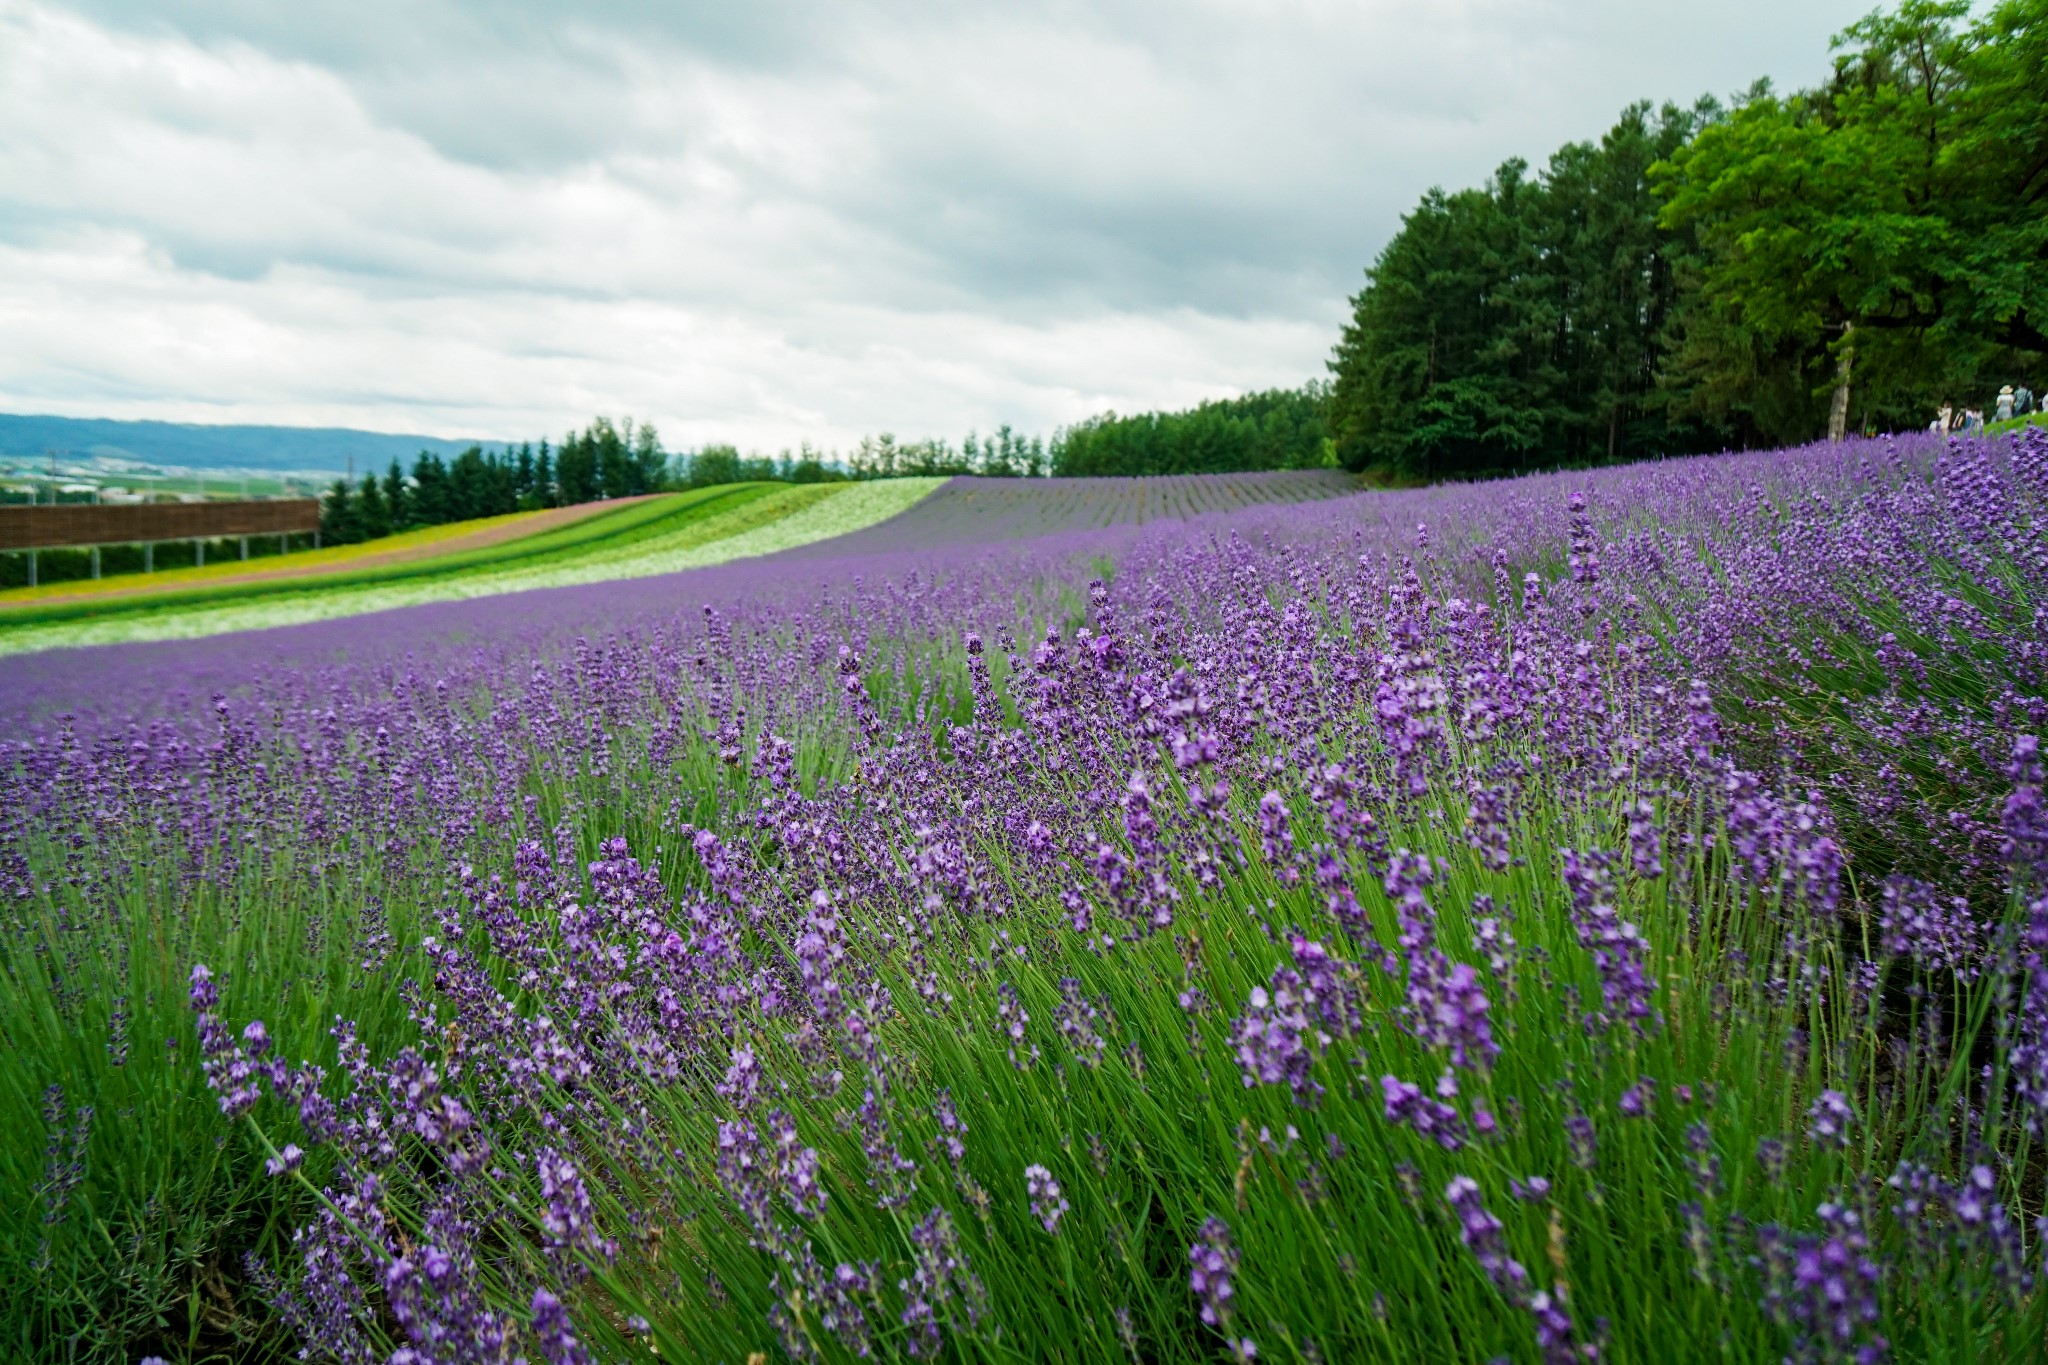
(274, 449)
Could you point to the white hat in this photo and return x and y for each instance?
(2007, 389)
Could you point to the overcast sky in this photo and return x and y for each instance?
(759, 221)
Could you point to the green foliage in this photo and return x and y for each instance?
(718, 464)
(1520, 325)
(1277, 429)
(604, 460)
(1708, 277)
(1002, 454)
(136, 1248)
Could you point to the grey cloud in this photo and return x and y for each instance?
(787, 215)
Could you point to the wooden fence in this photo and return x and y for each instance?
(49, 527)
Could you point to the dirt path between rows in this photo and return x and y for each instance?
(552, 519)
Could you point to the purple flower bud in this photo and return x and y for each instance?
(1046, 1204)
(1213, 1258)
(1481, 1233)
(205, 995)
(1579, 1138)
(1434, 1119)
(1828, 1120)
(551, 1327)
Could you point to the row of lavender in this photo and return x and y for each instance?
(1521, 920)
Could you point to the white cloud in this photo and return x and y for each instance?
(809, 223)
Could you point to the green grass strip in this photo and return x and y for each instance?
(709, 527)
(637, 521)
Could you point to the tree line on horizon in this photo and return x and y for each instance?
(623, 459)
(604, 460)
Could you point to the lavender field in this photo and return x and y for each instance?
(1591, 916)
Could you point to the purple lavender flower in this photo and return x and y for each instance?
(64, 1157)
(1701, 1161)
(551, 1327)
(1480, 1231)
(569, 1218)
(1047, 1206)
(796, 1166)
(1829, 1118)
(1011, 1016)
(839, 1304)
(1213, 1260)
(204, 994)
(1581, 1142)
(1643, 843)
(940, 1276)
(819, 951)
(1823, 1286)
(1770, 1154)
(1554, 1331)
(1275, 1041)
(891, 1174)
(2025, 817)
(1619, 952)
(740, 1170)
(951, 1128)
(434, 1297)
(1077, 1018)
(1446, 1006)
(1486, 826)
(1937, 932)
(1331, 986)
(231, 1067)
(1966, 1218)
(742, 1083)
(1432, 1118)
(1277, 839)
(836, 1299)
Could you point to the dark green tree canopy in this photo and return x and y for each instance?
(1708, 276)
(605, 460)
(1277, 429)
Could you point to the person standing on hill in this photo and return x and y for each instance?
(2005, 404)
(2022, 401)
(1945, 419)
